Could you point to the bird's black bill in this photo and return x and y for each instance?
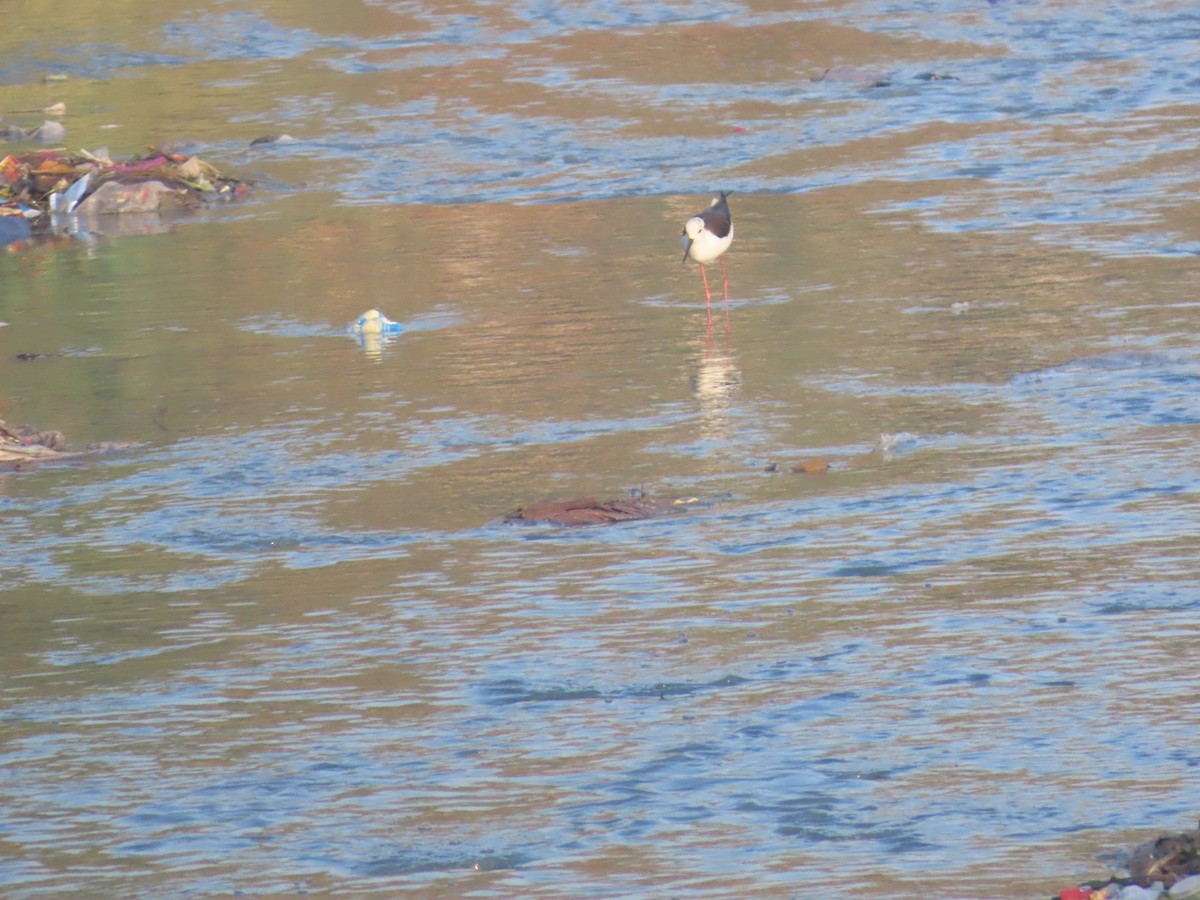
(687, 248)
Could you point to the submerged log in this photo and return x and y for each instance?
(589, 511)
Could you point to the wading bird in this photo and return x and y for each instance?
(706, 236)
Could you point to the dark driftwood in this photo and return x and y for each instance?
(589, 511)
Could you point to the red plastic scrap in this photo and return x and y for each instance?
(141, 165)
(10, 168)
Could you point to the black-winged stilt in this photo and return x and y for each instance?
(706, 236)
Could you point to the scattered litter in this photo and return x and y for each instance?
(64, 202)
(1133, 892)
(1187, 889)
(890, 444)
(1113, 891)
(99, 156)
(47, 133)
(811, 467)
(14, 229)
(145, 196)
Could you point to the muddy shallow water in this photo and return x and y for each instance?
(287, 643)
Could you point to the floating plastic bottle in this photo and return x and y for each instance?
(373, 330)
(374, 322)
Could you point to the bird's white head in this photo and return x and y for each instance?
(692, 227)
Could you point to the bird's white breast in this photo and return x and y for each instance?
(705, 246)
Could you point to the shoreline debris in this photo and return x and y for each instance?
(21, 444)
(1167, 867)
(44, 186)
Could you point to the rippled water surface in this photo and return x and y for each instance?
(286, 642)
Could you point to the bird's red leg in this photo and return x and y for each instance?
(707, 295)
(725, 278)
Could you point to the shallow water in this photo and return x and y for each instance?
(285, 643)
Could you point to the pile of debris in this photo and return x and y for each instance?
(21, 444)
(1167, 867)
(41, 187)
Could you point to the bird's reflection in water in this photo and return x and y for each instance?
(716, 382)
